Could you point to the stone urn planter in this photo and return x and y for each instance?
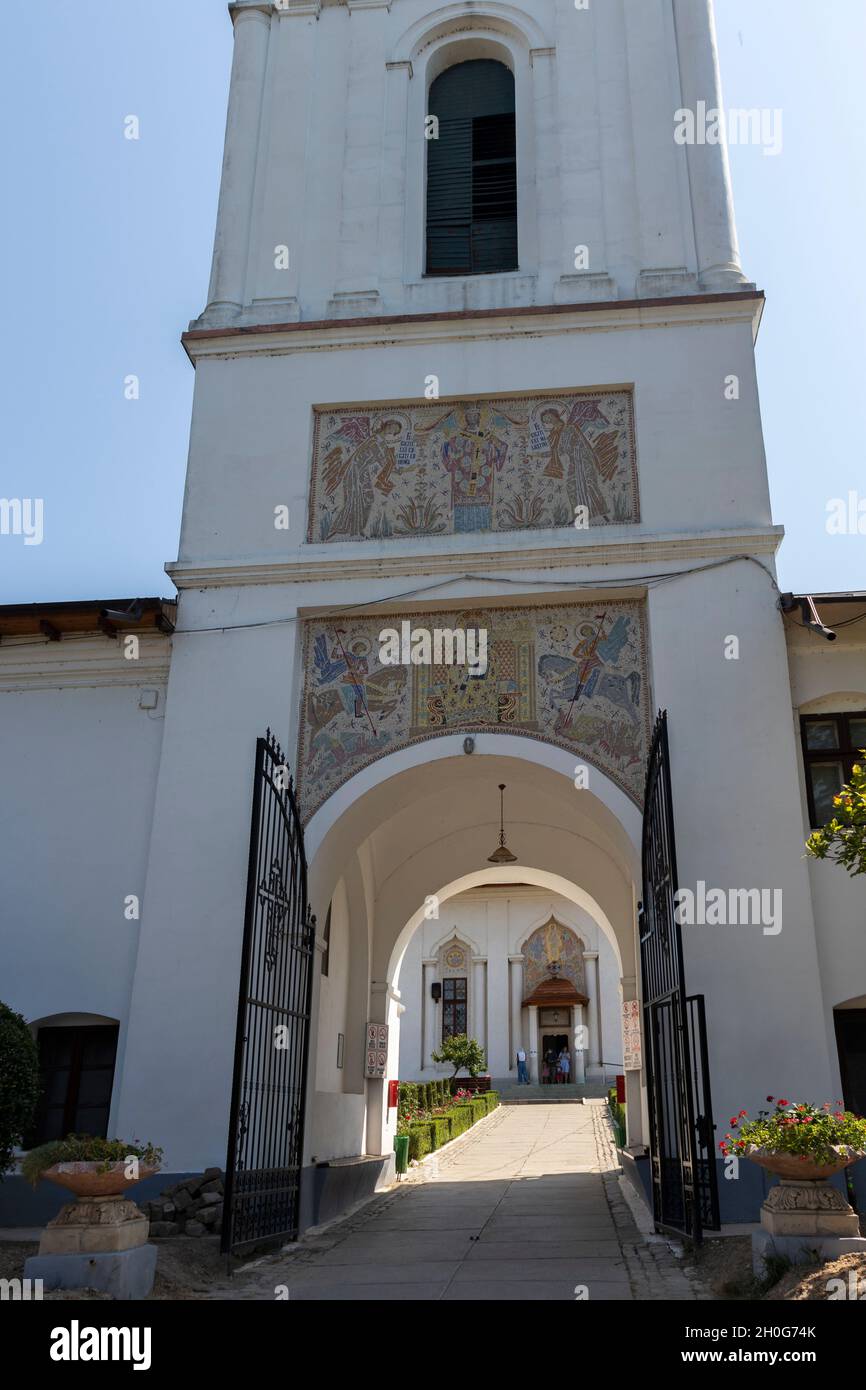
(100, 1239)
(95, 1179)
(101, 1219)
(803, 1203)
(803, 1145)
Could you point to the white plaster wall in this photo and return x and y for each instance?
(225, 689)
(79, 761)
(831, 677)
(325, 155)
(738, 821)
(700, 457)
(336, 1127)
(334, 997)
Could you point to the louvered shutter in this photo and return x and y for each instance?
(472, 172)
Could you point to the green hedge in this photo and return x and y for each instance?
(419, 1140)
(440, 1131)
(617, 1113)
(429, 1135)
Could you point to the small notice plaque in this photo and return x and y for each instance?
(376, 1050)
(631, 1035)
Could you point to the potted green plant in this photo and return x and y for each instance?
(803, 1145)
(91, 1167)
(798, 1141)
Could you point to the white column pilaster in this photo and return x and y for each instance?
(533, 1044)
(252, 27)
(357, 289)
(579, 1045)
(593, 1022)
(431, 1012)
(663, 228)
(385, 1007)
(709, 174)
(478, 1020)
(516, 1029)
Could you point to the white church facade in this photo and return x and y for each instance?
(477, 356)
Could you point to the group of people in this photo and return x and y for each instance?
(556, 1068)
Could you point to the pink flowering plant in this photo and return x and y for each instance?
(821, 1134)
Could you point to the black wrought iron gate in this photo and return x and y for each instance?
(685, 1187)
(266, 1123)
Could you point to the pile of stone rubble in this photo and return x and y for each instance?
(193, 1207)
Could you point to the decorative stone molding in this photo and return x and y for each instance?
(312, 566)
(808, 1208)
(287, 9)
(473, 325)
(587, 287)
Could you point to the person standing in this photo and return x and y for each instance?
(522, 1073)
(565, 1066)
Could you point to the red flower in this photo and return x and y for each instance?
(784, 1102)
(733, 1122)
(742, 1113)
(769, 1098)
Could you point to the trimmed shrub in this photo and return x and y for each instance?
(440, 1132)
(419, 1140)
(19, 1083)
(478, 1108)
(617, 1113)
(492, 1099)
(461, 1119)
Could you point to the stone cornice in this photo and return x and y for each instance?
(332, 335)
(308, 568)
(27, 663)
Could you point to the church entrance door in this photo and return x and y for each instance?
(551, 1046)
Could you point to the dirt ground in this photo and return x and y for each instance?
(726, 1266)
(186, 1268)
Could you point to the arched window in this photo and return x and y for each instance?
(472, 171)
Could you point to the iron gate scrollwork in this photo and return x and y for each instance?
(684, 1181)
(266, 1123)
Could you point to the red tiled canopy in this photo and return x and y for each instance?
(554, 992)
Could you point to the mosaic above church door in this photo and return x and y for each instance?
(573, 675)
(510, 463)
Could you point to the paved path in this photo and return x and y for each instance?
(525, 1206)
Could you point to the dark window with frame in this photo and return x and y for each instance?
(832, 744)
(76, 1067)
(326, 934)
(453, 1007)
(472, 171)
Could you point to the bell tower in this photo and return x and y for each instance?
(477, 344)
(331, 155)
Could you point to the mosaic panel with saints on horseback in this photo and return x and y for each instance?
(512, 463)
(574, 675)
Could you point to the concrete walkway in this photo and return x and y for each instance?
(527, 1205)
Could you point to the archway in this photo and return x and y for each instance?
(416, 828)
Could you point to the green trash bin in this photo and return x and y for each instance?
(401, 1148)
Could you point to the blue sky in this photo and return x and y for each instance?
(107, 258)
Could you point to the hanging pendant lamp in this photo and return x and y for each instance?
(502, 855)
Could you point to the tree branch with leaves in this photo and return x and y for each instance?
(843, 839)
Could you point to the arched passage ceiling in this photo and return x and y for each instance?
(431, 827)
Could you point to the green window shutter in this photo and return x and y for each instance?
(472, 172)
